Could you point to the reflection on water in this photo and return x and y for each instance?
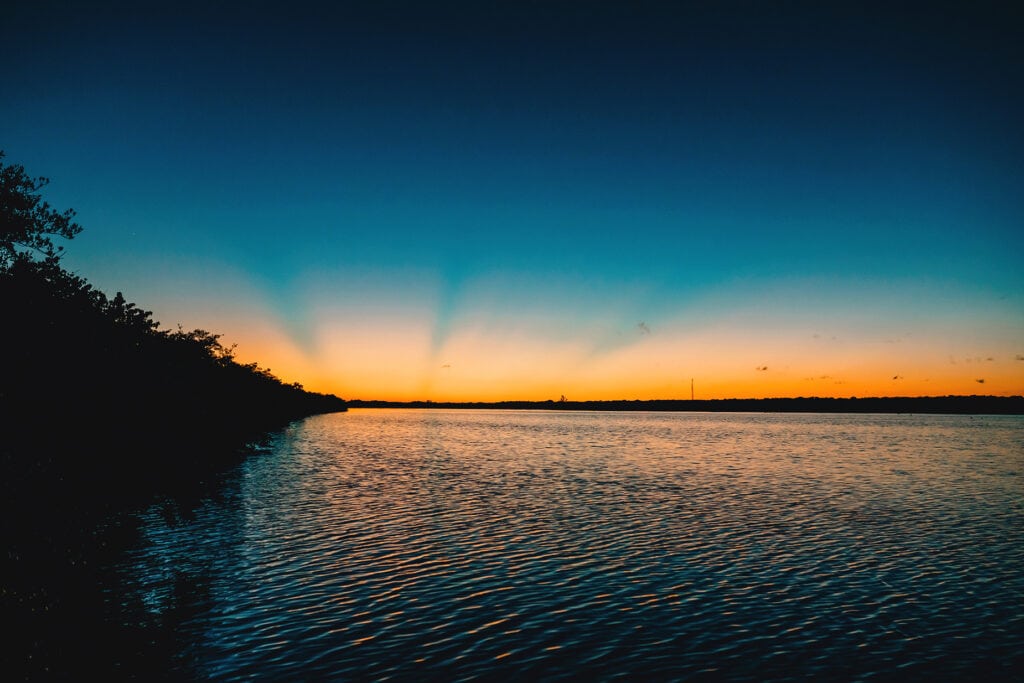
(461, 544)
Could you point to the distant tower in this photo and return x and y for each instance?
(691, 388)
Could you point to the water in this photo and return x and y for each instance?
(453, 545)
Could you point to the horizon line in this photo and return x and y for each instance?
(692, 400)
(950, 405)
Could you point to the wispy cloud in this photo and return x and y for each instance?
(642, 326)
(761, 368)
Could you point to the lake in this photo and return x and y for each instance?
(485, 544)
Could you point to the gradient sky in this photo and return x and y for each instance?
(477, 201)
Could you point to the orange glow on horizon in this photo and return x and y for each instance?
(478, 365)
(394, 346)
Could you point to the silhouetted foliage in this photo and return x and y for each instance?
(27, 223)
(103, 365)
(99, 409)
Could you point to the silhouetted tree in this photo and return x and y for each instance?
(103, 370)
(27, 223)
(99, 409)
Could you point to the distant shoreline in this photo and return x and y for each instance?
(951, 405)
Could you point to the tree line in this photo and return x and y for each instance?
(101, 409)
(95, 379)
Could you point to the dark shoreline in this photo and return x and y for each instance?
(937, 405)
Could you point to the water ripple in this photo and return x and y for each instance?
(461, 545)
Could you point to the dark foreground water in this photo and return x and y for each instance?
(453, 545)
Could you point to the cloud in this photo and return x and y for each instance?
(897, 376)
(642, 326)
(1019, 357)
(761, 368)
(980, 381)
(446, 365)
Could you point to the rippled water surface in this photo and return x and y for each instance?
(454, 545)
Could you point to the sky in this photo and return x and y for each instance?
(524, 200)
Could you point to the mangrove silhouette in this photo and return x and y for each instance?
(100, 409)
(97, 381)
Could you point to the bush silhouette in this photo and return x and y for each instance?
(100, 408)
(100, 373)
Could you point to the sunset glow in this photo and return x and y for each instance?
(392, 350)
(479, 203)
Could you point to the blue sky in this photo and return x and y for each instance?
(448, 177)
